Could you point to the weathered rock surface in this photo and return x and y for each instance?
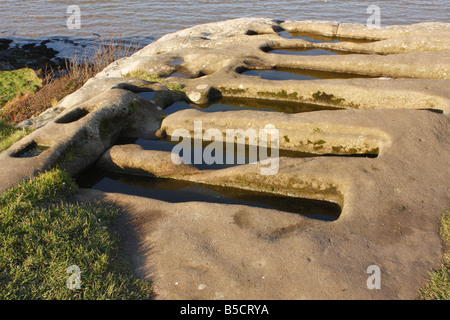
(391, 205)
(76, 132)
(391, 214)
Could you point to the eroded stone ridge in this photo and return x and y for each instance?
(389, 87)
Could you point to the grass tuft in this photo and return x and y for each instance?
(10, 134)
(438, 287)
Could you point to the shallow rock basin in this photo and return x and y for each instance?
(317, 38)
(298, 74)
(305, 52)
(175, 191)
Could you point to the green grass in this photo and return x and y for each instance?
(41, 235)
(9, 134)
(438, 288)
(17, 82)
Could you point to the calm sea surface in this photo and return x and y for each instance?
(149, 20)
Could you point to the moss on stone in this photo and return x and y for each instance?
(353, 105)
(71, 154)
(336, 149)
(106, 126)
(132, 106)
(280, 94)
(326, 98)
(232, 91)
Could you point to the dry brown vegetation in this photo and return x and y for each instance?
(58, 84)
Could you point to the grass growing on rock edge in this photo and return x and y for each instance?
(17, 82)
(9, 134)
(42, 235)
(438, 287)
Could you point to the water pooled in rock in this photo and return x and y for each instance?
(176, 191)
(300, 74)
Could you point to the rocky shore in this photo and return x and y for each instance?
(395, 105)
(34, 55)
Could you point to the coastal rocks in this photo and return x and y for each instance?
(74, 140)
(32, 55)
(411, 65)
(298, 132)
(145, 162)
(360, 31)
(391, 201)
(406, 44)
(415, 59)
(90, 90)
(78, 135)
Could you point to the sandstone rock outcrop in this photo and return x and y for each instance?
(394, 105)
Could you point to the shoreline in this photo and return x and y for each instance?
(37, 53)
